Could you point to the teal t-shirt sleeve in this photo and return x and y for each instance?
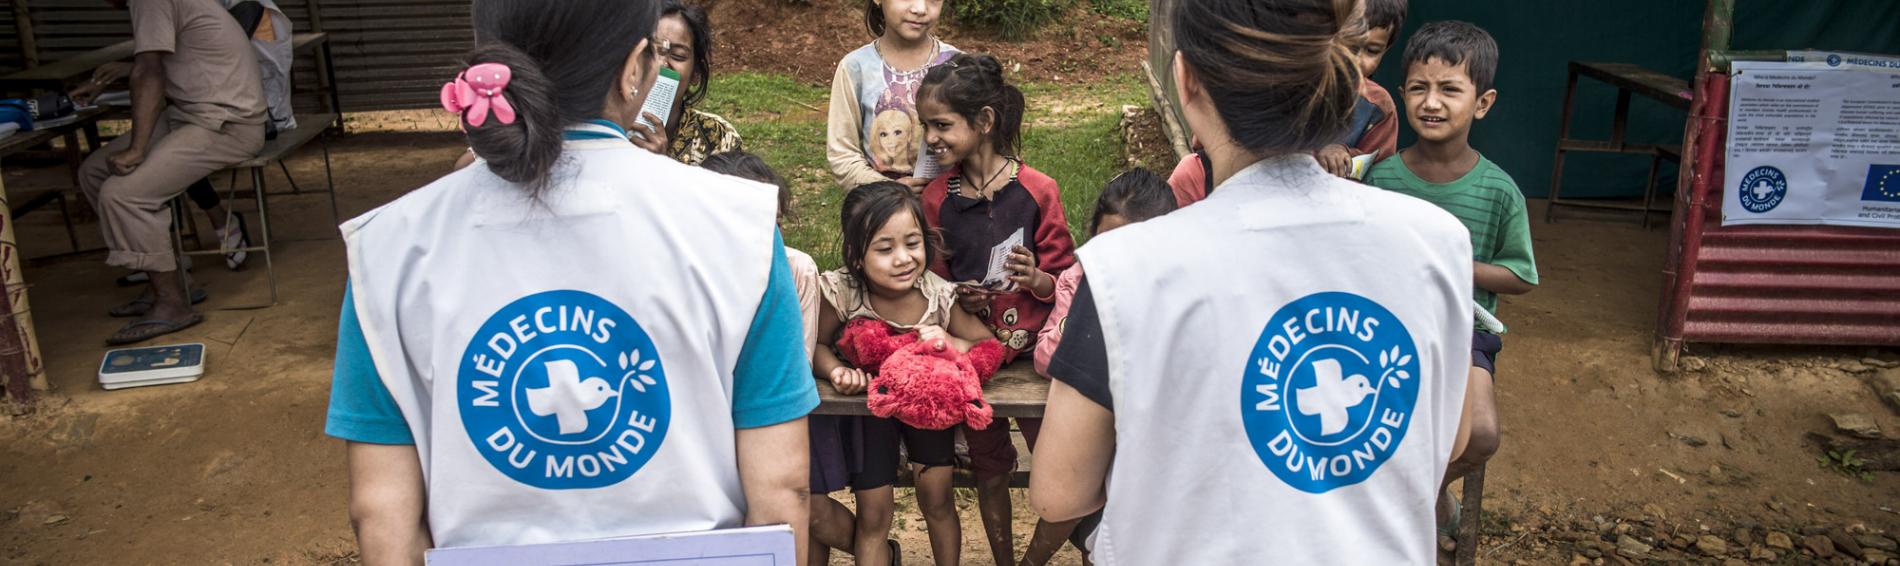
(361, 409)
(1514, 242)
(772, 383)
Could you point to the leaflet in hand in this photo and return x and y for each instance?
(660, 98)
(998, 276)
(926, 166)
(1361, 164)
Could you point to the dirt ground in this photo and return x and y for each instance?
(234, 468)
(1598, 449)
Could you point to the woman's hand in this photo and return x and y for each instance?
(1021, 264)
(650, 138)
(849, 381)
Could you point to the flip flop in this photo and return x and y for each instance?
(142, 305)
(131, 333)
(235, 260)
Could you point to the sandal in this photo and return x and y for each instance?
(897, 554)
(143, 304)
(143, 330)
(236, 236)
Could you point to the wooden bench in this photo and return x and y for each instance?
(274, 153)
(1628, 79)
(1015, 392)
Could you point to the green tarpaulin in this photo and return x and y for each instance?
(1537, 39)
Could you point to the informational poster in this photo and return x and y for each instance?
(754, 546)
(1813, 145)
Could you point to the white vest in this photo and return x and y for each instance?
(1287, 361)
(566, 365)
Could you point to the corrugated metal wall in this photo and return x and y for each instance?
(389, 53)
(1772, 284)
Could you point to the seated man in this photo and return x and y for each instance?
(269, 31)
(194, 55)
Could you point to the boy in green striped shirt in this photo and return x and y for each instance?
(1449, 67)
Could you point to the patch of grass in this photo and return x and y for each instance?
(1071, 136)
(1846, 464)
(1081, 158)
(1136, 10)
(751, 97)
(1014, 19)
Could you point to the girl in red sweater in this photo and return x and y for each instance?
(972, 123)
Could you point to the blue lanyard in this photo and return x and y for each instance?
(595, 129)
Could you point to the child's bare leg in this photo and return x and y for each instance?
(994, 506)
(874, 526)
(940, 514)
(1484, 437)
(1048, 539)
(832, 526)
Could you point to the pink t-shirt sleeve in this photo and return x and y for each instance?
(1189, 180)
(1051, 333)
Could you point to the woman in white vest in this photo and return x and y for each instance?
(1274, 375)
(559, 343)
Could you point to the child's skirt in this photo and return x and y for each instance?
(861, 453)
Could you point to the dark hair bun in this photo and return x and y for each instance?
(524, 152)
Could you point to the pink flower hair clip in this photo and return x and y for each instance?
(477, 90)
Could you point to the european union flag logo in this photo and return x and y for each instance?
(1883, 183)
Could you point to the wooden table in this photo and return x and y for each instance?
(1015, 392)
(55, 76)
(86, 121)
(58, 74)
(1628, 79)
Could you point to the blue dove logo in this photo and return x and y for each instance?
(563, 390)
(1329, 390)
(1332, 396)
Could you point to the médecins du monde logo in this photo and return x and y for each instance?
(1329, 390)
(563, 390)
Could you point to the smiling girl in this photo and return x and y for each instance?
(873, 120)
(973, 126)
(887, 253)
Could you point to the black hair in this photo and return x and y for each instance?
(865, 210)
(874, 18)
(968, 83)
(748, 166)
(1455, 42)
(1278, 72)
(1136, 195)
(701, 28)
(1385, 14)
(564, 57)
